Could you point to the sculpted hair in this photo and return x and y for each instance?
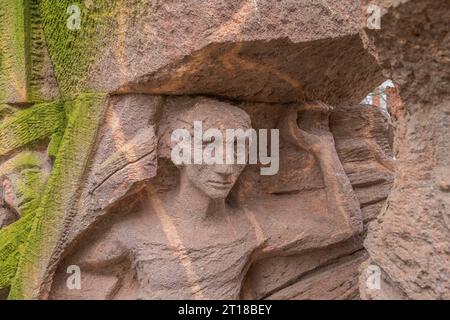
(213, 113)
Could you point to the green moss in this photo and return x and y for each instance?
(28, 187)
(39, 68)
(13, 73)
(12, 242)
(24, 63)
(27, 173)
(75, 51)
(27, 239)
(13, 238)
(30, 125)
(6, 111)
(27, 245)
(55, 142)
(60, 199)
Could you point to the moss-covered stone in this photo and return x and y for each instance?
(28, 115)
(12, 242)
(29, 169)
(26, 73)
(13, 52)
(72, 50)
(41, 80)
(61, 195)
(6, 111)
(55, 142)
(29, 125)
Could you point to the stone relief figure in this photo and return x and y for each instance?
(9, 212)
(192, 242)
(21, 177)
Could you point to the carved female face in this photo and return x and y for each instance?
(217, 180)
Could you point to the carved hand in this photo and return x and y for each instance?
(315, 132)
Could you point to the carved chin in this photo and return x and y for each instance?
(217, 194)
(217, 191)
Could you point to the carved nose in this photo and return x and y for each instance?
(224, 171)
(224, 175)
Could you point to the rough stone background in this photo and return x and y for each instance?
(57, 88)
(409, 240)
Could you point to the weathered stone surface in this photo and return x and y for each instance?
(410, 239)
(56, 204)
(272, 275)
(26, 72)
(22, 177)
(335, 282)
(360, 127)
(116, 197)
(261, 50)
(89, 180)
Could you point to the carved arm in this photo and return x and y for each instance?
(318, 140)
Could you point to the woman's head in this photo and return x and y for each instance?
(213, 179)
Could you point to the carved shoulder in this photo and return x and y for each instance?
(102, 249)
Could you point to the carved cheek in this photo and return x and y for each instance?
(237, 170)
(199, 173)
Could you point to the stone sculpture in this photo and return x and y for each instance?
(86, 117)
(190, 243)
